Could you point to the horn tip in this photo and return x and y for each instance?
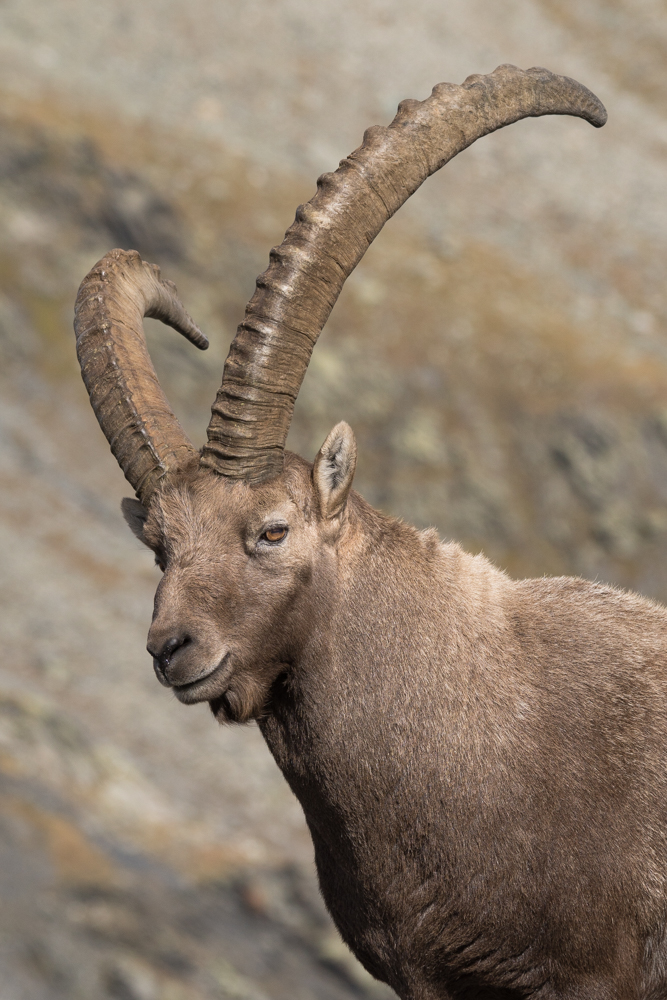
(199, 339)
(585, 104)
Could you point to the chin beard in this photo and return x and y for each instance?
(244, 699)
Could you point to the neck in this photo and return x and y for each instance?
(369, 718)
(379, 637)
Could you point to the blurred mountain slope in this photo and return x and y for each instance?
(501, 354)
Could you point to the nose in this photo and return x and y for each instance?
(163, 653)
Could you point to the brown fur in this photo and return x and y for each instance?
(482, 762)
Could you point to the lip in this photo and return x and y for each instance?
(211, 685)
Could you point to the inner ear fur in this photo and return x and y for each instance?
(333, 470)
(135, 515)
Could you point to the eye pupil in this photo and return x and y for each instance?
(275, 534)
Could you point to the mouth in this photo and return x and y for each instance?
(211, 685)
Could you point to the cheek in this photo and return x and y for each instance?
(274, 595)
(256, 599)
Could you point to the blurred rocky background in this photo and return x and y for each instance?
(501, 354)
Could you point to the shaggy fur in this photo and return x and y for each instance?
(482, 762)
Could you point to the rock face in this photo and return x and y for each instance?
(501, 354)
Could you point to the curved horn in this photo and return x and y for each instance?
(132, 410)
(294, 296)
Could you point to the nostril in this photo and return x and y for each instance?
(162, 655)
(170, 647)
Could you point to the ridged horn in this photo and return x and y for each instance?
(294, 296)
(131, 408)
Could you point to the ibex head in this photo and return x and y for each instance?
(245, 565)
(249, 535)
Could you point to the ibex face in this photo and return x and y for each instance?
(243, 567)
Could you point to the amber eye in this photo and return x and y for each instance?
(275, 534)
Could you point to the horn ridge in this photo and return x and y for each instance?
(140, 426)
(330, 235)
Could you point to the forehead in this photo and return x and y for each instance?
(210, 502)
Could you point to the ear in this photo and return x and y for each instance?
(333, 470)
(135, 515)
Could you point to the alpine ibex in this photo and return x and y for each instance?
(482, 762)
